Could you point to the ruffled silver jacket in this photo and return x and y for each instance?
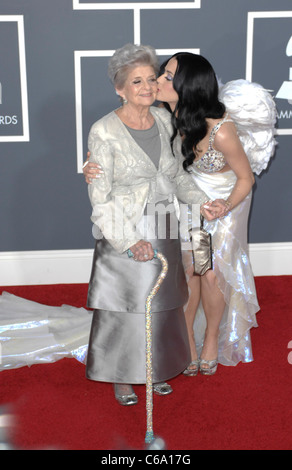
(131, 180)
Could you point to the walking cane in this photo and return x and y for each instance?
(148, 325)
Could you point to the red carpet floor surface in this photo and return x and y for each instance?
(247, 407)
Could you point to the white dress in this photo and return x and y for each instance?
(253, 111)
(233, 271)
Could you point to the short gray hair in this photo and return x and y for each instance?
(130, 56)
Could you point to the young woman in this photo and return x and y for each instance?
(222, 305)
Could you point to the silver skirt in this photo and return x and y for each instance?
(117, 346)
(118, 290)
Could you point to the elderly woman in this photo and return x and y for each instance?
(134, 206)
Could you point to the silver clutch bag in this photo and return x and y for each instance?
(201, 242)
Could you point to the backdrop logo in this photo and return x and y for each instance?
(13, 85)
(285, 91)
(269, 59)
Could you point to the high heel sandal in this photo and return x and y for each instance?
(192, 371)
(162, 388)
(125, 399)
(211, 369)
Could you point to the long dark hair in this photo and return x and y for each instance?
(196, 85)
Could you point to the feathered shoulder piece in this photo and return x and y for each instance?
(253, 111)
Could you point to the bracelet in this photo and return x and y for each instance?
(228, 205)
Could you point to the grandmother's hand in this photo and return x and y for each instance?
(142, 251)
(91, 170)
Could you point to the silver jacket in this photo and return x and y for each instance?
(131, 180)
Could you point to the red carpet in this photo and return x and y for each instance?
(242, 407)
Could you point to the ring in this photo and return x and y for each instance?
(145, 256)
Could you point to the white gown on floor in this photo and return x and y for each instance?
(33, 333)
